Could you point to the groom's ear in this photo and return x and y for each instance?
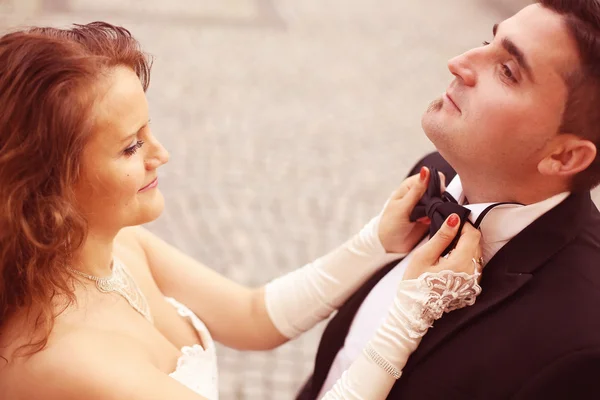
(570, 156)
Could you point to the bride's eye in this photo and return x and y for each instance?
(131, 150)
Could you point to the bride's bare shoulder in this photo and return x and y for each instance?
(81, 364)
(48, 371)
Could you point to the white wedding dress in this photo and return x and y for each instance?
(197, 366)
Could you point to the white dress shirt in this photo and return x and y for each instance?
(498, 227)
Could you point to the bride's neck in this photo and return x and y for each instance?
(95, 255)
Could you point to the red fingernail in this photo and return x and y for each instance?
(453, 220)
(423, 173)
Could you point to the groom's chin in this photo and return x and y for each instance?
(430, 120)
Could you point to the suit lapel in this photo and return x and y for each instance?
(512, 267)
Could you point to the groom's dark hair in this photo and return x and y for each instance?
(582, 110)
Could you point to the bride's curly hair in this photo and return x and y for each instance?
(49, 81)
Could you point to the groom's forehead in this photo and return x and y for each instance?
(543, 37)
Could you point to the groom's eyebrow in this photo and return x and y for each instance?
(517, 53)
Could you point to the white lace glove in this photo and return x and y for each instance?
(417, 304)
(299, 300)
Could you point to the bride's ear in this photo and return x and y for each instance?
(570, 156)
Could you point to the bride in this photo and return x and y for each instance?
(92, 306)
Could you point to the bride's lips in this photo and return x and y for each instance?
(149, 186)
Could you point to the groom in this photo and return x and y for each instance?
(520, 124)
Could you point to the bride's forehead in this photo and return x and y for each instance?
(121, 106)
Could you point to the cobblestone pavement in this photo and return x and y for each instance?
(288, 122)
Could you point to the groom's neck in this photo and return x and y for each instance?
(490, 190)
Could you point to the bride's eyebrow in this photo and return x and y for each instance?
(132, 135)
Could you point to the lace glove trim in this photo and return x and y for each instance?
(418, 303)
(446, 291)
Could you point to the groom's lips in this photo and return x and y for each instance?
(449, 96)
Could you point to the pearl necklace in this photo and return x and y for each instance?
(121, 282)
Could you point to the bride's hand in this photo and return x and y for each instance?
(396, 232)
(466, 257)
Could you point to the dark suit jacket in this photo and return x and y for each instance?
(534, 332)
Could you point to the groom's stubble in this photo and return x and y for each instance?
(435, 105)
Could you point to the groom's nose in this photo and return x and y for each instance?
(463, 68)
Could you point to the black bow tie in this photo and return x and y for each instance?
(438, 207)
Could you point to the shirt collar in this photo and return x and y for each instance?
(505, 221)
